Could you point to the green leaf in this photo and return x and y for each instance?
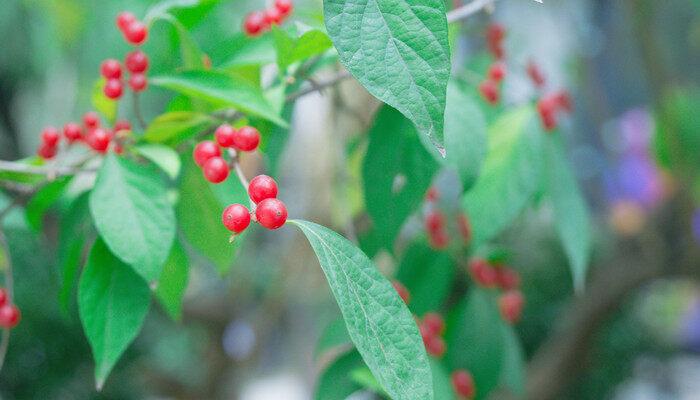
(176, 126)
(43, 199)
(511, 174)
(130, 207)
(173, 282)
(571, 216)
(291, 49)
(378, 321)
(113, 302)
(363, 377)
(164, 157)
(513, 370)
(399, 52)
(335, 382)
(475, 340)
(74, 227)
(335, 335)
(104, 105)
(428, 276)
(243, 50)
(192, 56)
(441, 381)
(221, 89)
(396, 173)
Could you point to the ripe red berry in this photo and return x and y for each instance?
(113, 89)
(434, 345)
(72, 132)
(432, 195)
(434, 221)
(224, 135)
(507, 278)
(122, 125)
(483, 273)
(47, 152)
(434, 323)
(205, 150)
(111, 69)
(136, 62)
(254, 23)
(99, 139)
(236, 218)
(272, 16)
(463, 384)
(465, 229)
(495, 33)
(271, 213)
(215, 170)
(3, 297)
(497, 71)
(284, 6)
(50, 136)
(535, 74)
(563, 100)
(262, 187)
(511, 305)
(91, 120)
(125, 19)
(402, 291)
(438, 239)
(138, 82)
(246, 139)
(489, 90)
(136, 33)
(547, 107)
(9, 316)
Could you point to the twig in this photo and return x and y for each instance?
(468, 9)
(53, 171)
(5, 341)
(318, 86)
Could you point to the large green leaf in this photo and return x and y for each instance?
(396, 172)
(176, 126)
(378, 321)
(242, 50)
(513, 369)
(441, 381)
(75, 225)
(510, 176)
(398, 50)
(221, 89)
(164, 157)
(571, 216)
(192, 56)
(428, 276)
(173, 282)
(132, 213)
(335, 383)
(43, 199)
(113, 302)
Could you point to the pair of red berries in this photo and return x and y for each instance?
(463, 384)
(136, 63)
(9, 313)
(495, 33)
(435, 224)
(511, 305)
(49, 143)
(487, 275)
(270, 212)
(135, 32)
(489, 88)
(258, 22)
(431, 328)
(207, 154)
(549, 105)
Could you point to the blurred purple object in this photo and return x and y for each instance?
(690, 331)
(695, 225)
(636, 128)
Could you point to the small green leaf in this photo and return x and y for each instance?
(291, 49)
(173, 282)
(113, 302)
(571, 216)
(104, 105)
(335, 335)
(130, 207)
(441, 381)
(427, 274)
(221, 89)
(399, 52)
(363, 377)
(192, 56)
(242, 50)
(75, 226)
(335, 382)
(164, 157)
(43, 199)
(513, 370)
(176, 126)
(378, 321)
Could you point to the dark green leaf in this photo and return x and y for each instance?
(43, 199)
(335, 382)
(176, 126)
(513, 370)
(441, 381)
(334, 336)
(75, 226)
(428, 276)
(173, 282)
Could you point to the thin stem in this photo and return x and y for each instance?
(320, 85)
(46, 170)
(468, 9)
(9, 285)
(137, 112)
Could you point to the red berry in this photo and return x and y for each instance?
(138, 82)
(224, 135)
(546, 107)
(434, 345)
(136, 32)
(113, 89)
(3, 297)
(215, 170)
(262, 187)
(111, 69)
(272, 16)
(50, 136)
(489, 90)
(402, 291)
(72, 132)
(465, 229)
(507, 278)
(99, 140)
(434, 323)
(91, 120)
(563, 100)
(9, 316)
(47, 152)
(122, 125)
(495, 33)
(535, 74)
(284, 6)
(483, 273)
(463, 384)
(136, 62)
(434, 221)
(125, 19)
(511, 305)
(271, 213)
(254, 23)
(497, 71)
(118, 148)
(433, 195)
(205, 150)
(236, 218)
(438, 239)
(246, 139)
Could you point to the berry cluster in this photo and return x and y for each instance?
(9, 313)
(495, 33)
(270, 212)
(436, 226)
(485, 274)
(490, 87)
(89, 133)
(431, 327)
(257, 22)
(549, 105)
(463, 384)
(136, 62)
(207, 154)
